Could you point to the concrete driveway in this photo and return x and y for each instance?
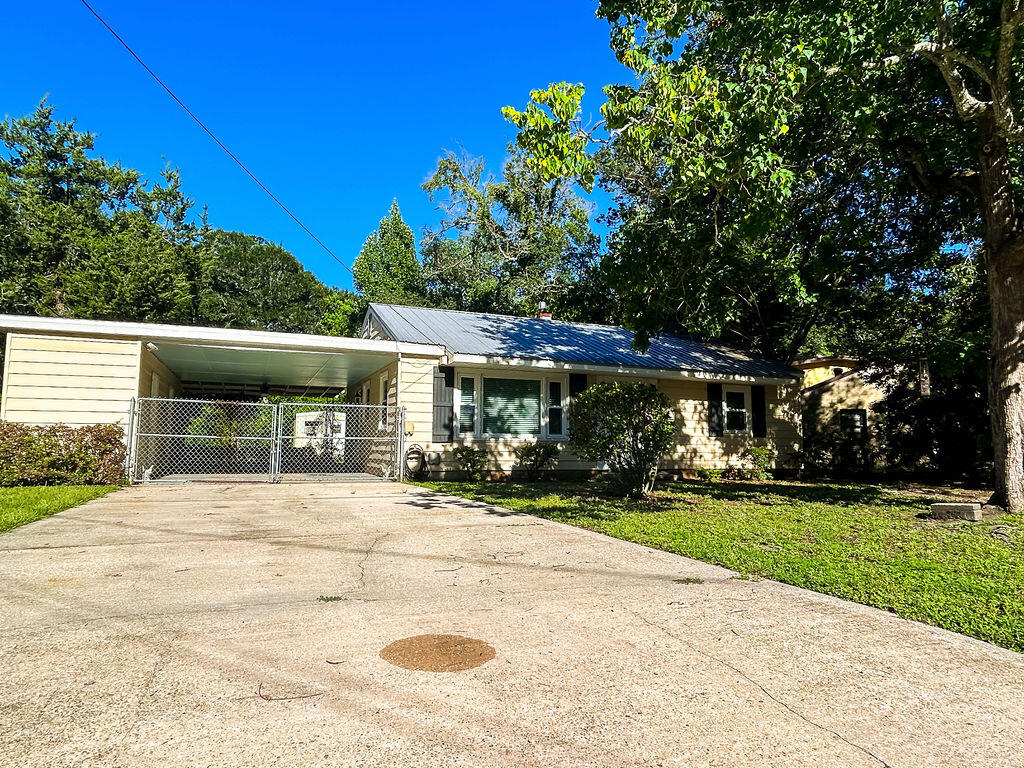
(181, 626)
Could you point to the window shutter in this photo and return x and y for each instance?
(759, 410)
(716, 414)
(444, 404)
(577, 383)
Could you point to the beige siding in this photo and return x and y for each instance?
(69, 380)
(156, 379)
(695, 447)
(417, 395)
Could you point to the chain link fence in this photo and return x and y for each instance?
(319, 438)
(178, 439)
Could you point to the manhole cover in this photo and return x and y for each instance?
(438, 653)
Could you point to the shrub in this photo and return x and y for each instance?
(472, 460)
(761, 459)
(626, 425)
(534, 458)
(61, 455)
(710, 475)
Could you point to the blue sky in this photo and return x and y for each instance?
(337, 107)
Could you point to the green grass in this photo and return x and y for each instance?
(23, 505)
(859, 542)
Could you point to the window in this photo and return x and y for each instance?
(511, 407)
(854, 424)
(154, 385)
(735, 411)
(467, 405)
(384, 401)
(556, 418)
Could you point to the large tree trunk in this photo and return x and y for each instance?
(1004, 248)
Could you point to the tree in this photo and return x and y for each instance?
(929, 90)
(506, 245)
(626, 425)
(343, 313)
(82, 237)
(387, 269)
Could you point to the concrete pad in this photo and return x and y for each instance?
(957, 511)
(180, 626)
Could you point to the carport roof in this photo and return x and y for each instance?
(240, 356)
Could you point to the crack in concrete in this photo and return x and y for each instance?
(743, 675)
(362, 564)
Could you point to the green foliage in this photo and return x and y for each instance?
(764, 178)
(343, 314)
(760, 460)
(626, 425)
(61, 455)
(386, 269)
(506, 245)
(26, 505)
(535, 458)
(82, 237)
(219, 424)
(473, 461)
(709, 475)
(859, 542)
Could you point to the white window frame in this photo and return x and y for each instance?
(385, 387)
(478, 376)
(477, 405)
(748, 428)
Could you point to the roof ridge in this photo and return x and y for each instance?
(504, 317)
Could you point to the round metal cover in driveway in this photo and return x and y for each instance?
(438, 653)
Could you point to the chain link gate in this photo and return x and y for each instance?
(178, 439)
(343, 438)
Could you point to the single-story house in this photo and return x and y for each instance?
(840, 422)
(437, 379)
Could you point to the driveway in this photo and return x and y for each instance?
(182, 626)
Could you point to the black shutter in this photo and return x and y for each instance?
(716, 414)
(759, 410)
(444, 404)
(577, 383)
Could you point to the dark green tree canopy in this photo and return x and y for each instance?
(82, 237)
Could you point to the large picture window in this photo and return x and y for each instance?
(511, 406)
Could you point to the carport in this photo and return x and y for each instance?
(202, 403)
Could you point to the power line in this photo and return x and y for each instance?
(213, 136)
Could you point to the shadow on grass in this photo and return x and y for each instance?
(847, 495)
(603, 502)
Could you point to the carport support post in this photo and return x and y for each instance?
(133, 441)
(275, 444)
(400, 444)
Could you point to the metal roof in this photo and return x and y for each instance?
(476, 333)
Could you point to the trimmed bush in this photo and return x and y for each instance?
(535, 458)
(61, 455)
(761, 459)
(472, 460)
(626, 425)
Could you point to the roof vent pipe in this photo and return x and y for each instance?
(542, 311)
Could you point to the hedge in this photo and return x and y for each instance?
(61, 455)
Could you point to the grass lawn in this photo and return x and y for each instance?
(859, 542)
(23, 505)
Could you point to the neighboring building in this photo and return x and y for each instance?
(458, 378)
(840, 423)
(819, 369)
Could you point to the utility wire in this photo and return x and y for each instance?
(213, 136)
